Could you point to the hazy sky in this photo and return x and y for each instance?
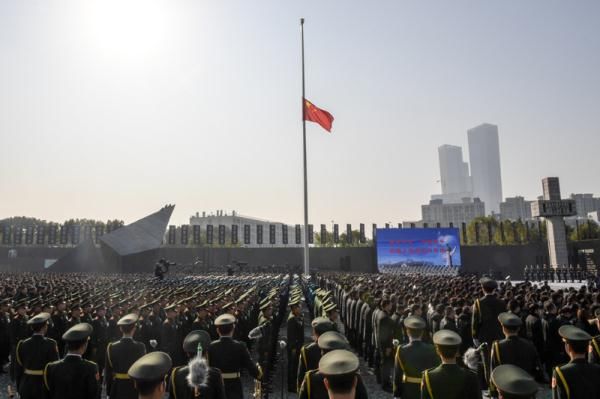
(115, 108)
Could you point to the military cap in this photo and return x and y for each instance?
(328, 307)
(151, 367)
(294, 302)
(513, 380)
(322, 325)
(414, 323)
(265, 305)
(446, 338)
(128, 320)
(488, 283)
(171, 307)
(195, 338)
(78, 332)
(338, 362)
(508, 319)
(39, 318)
(21, 304)
(331, 340)
(572, 333)
(225, 319)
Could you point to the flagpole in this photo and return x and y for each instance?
(306, 262)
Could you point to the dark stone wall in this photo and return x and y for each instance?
(507, 260)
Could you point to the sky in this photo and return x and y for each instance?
(114, 108)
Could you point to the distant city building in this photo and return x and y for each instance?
(222, 218)
(585, 203)
(445, 213)
(515, 208)
(454, 172)
(484, 156)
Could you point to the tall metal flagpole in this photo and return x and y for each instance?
(306, 262)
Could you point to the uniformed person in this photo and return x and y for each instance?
(32, 356)
(577, 379)
(231, 356)
(513, 349)
(99, 339)
(295, 340)
(449, 380)
(19, 330)
(412, 359)
(196, 379)
(73, 377)
(485, 326)
(594, 355)
(512, 382)
(148, 374)
(310, 354)
(339, 369)
(313, 386)
(120, 355)
(169, 335)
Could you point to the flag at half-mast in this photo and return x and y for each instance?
(315, 114)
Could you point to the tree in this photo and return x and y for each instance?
(586, 231)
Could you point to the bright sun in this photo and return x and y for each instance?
(128, 28)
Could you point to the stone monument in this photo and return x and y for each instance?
(553, 210)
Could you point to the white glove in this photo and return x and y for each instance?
(476, 342)
(153, 343)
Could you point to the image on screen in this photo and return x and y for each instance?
(412, 249)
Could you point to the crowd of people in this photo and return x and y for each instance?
(410, 328)
(423, 335)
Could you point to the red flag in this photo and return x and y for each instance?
(313, 113)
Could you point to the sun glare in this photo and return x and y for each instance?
(127, 28)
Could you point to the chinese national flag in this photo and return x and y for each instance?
(313, 113)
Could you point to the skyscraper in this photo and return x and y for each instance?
(454, 172)
(484, 156)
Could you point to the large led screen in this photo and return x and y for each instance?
(411, 249)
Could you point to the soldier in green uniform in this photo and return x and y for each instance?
(339, 369)
(295, 340)
(449, 380)
(412, 359)
(73, 377)
(577, 379)
(310, 354)
(231, 356)
(32, 356)
(148, 374)
(196, 379)
(513, 349)
(120, 355)
(512, 382)
(99, 339)
(313, 386)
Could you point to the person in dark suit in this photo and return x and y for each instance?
(196, 379)
(120, 355)
(295, 340)
(412, 359)
(73, 377)
(231, 356)
(485, 326)
(148, 374)
(310, 354)
(4, 333)
(449, 380)
(577, 379)
(19, 330)
(32, 356)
